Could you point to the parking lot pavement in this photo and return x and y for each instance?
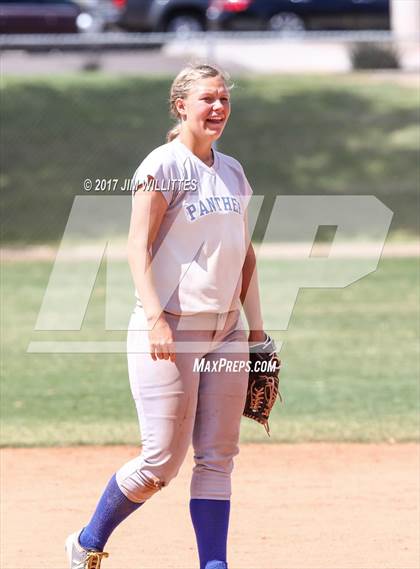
(119, 62)
(239, 56)
(270, 56)
(246, 56)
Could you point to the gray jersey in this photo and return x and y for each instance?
(200, 246)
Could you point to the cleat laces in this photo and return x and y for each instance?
(93, 560)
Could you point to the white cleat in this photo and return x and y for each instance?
(81, 558)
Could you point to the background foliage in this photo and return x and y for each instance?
(293, 134)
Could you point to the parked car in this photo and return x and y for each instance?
(104, 13)
(298, 15)
(152, 15)
(42, 17)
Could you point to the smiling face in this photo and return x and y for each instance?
(206, 108)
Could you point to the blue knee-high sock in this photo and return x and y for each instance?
(112, 509)
(211, 521)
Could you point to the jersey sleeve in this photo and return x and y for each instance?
(246, 189)
(247, 186)
(156, 173)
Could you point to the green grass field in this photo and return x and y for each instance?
(350, 365)
(293, 134)
(350, 355)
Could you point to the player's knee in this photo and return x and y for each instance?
(216, 461)
(212, 480)
(218, 458)
(217, 467)
(140, 479)
(140, 486)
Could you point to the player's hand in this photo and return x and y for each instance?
(161, 341)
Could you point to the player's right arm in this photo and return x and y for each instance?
(148, 210)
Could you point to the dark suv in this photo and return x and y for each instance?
(158, 15)
(298, 15)
(41, 17)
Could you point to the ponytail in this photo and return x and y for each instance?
(173, 133)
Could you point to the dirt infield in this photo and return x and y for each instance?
(308, 506)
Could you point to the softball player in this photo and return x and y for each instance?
(193, 267)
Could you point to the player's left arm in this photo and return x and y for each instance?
(250, 294)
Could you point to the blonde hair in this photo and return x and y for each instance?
(182, 84)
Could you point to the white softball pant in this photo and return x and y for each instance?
(177, 404)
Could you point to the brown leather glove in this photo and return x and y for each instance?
(263, 382)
